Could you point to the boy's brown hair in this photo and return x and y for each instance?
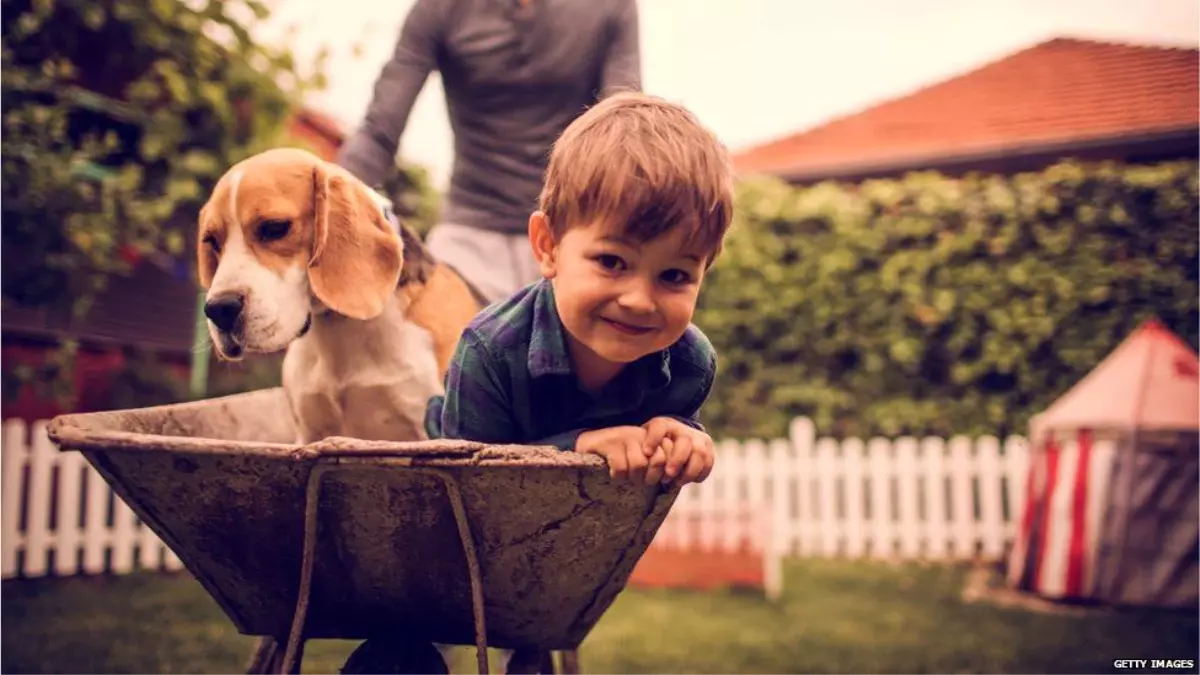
(644, 164)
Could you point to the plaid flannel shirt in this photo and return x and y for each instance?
(511, 380)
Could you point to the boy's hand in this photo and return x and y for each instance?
(690, 452)
(623, 449)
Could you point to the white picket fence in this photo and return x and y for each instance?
(906, 498)
(59, 517)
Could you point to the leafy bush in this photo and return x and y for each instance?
(940, 305)
(117, 116)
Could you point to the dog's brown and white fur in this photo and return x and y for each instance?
(296, 254)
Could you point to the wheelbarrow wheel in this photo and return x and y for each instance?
(396, 657)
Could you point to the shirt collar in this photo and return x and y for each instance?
(548, 348)
(547, 344)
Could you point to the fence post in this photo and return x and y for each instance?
(991, 515)
(802, 434)
(908, 528)
(37, 526)
(95, 529)
(827, 478)
(962, 504)
(855, 524)
(14, 453)
(879, 468)
(67, 534)
(779, 533)
(937, 522)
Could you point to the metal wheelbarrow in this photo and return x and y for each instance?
(449, 542)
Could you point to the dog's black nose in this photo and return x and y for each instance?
(224, 310)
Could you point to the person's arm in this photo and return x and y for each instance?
(370, 152)
(623, 62)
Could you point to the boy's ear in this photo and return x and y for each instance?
(542, 241)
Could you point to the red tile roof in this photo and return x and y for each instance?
(321, 123)
(1058, 92)
(323, 133)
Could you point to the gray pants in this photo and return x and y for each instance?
(498, 263)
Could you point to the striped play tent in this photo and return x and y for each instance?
(1111, 500)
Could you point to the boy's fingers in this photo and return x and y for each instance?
(656, 468)
(618, 467)
(695, 467)
(677, 457)
(656, 431)
(636, 460)
(710, 458)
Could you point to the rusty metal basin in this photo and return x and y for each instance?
(223, 483)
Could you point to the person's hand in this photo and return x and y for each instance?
(623, 449)
(689, 452)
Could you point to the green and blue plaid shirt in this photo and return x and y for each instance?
(511, 380)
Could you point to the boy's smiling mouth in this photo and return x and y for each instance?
(627, 328)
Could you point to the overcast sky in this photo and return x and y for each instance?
(753, 70)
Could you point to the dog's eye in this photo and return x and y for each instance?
(211, 242)
(270, 230)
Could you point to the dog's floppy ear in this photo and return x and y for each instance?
(356, 256)
(206, 260)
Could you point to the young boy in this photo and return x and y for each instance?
(600, 355)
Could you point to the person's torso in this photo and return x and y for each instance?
(514, 78)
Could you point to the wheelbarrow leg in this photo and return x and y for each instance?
(267, 657)
(570, 662)
(263, 658)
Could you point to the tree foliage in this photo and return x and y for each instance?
(941, 305)
(118, 117)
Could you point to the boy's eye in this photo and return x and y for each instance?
(610, 262)
(676, 277)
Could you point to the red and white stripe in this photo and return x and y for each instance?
(1065, 498)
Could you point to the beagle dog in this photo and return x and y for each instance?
(298, 254)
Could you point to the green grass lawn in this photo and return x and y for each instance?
(835, 617)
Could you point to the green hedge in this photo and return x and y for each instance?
(941, 305)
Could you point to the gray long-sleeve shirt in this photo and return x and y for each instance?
(515, 76)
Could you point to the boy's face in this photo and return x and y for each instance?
(619, 298)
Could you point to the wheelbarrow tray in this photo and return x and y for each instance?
(223, 483)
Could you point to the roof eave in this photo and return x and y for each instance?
(1165, 142)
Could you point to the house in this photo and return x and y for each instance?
(1062, 98)
(153, 311)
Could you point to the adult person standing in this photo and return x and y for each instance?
(515, 74)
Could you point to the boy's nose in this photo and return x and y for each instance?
(637, 297)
